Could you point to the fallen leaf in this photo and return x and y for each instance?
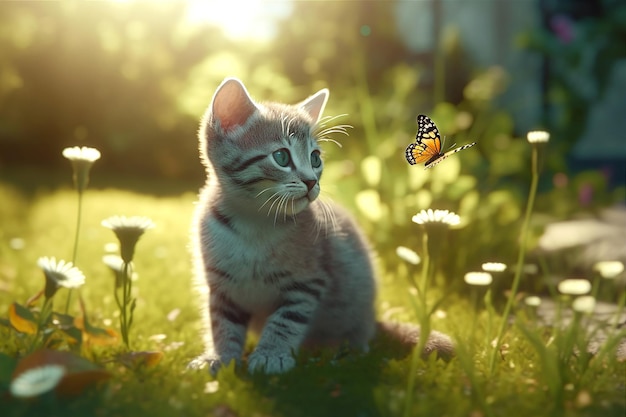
(96, 335)
(80, 373)
(145, 359)
(74, 384)
(91, 334)
(22, 319)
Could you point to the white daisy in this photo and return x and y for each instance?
(82, 159)
(81, 154)
(584, 304)
(116, 265)
(574, 286)
(436, 216)
(128, 231)
(59, 274)
(408, 255)
(478, 278)
(36, 381)
(609, 269)
(532, 301)
(493, 267)
(538, 136)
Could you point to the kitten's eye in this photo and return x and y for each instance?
(316, 161)
(282, 157)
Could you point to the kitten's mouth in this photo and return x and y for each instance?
(300, 204)
(312, 195)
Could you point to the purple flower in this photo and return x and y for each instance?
(563, 28)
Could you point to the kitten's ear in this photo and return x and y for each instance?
(232, 105)
(315, 104)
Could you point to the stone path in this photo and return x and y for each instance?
(600, 324)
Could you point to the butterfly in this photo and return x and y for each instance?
(427, 146)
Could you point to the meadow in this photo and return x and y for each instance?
(132, 79)
(538, 370)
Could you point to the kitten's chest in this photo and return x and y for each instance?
(254, 257)
(253, 270)
(251, 254)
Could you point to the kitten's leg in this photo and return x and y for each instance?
(229, 323)
(286, 328)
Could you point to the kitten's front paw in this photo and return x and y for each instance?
(212, 363)
(198, 363)
(270, 362)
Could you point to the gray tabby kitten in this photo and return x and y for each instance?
(271, 256)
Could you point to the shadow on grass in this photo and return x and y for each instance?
(346, 384)
(326, 387)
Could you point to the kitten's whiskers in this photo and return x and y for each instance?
(328, 218)
(267, 201)
(276, 200)
(264, 190)
(281, 201)
(285, 204)
(321, 132)
(327, 119)
(293, 209)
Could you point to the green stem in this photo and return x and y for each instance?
(117, 298)
(125, 314)
(490, 316)
(474, 297)
(427, 273)
(78, 219)
(571, 337)
(410, 386)
(44, 316)
(621, 304)
(595, 289)
(423, 316)
(520, 257)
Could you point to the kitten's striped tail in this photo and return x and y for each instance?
(398, 340)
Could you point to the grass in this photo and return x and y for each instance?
(524, 381)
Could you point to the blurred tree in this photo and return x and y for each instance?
(581, 43)
(132, 79)
(100, 75)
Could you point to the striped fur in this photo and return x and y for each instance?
(269, 255)
(275, 257)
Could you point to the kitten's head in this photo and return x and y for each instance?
(263, 155)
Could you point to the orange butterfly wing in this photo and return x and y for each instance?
(427, 144)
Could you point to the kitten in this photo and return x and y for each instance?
(271, 256)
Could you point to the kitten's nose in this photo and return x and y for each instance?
(310, 184)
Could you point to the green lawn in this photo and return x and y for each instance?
(166, 319)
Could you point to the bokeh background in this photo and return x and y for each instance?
(132, 78)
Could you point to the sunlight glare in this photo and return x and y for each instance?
(239, 19)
